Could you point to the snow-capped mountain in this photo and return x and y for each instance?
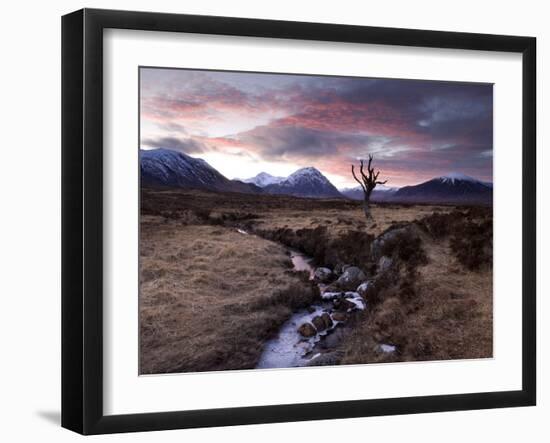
(450, 188)
(305, 182)
(165, 167)
(263, 179)
(453, 177)
(380, 193)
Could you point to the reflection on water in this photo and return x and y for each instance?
(301, 262)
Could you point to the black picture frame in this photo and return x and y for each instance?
(82, 218)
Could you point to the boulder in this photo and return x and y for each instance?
(378, 246)
(327, 320)
(339, 316)
(319, 323)
(307, 330)
(340, 267)
(343, 304)
(350, 278)
(322, 275)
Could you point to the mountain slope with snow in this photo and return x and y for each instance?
(450, 188)
(165, 167)
(263, 179)
(306, 182)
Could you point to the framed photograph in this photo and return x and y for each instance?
(268, 221)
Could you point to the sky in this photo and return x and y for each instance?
(246, 123)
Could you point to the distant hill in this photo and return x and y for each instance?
(306, 182)
(451, 188)
(381, 193)
(263, 179)
(165, 167)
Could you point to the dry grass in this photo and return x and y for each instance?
(210, 296)
(339, 222)
(270, 212)
(441, 311)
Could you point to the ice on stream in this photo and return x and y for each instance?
(289, 348)
(353, 297)
(357, 300)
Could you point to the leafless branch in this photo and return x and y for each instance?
(369, 180)
(356, 179)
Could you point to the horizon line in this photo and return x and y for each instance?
(314, 167)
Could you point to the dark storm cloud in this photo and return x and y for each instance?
(275, 141)
(432, 126)
(187, 146)
(442, 109)
(415, 128)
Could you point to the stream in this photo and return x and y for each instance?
(289, 348)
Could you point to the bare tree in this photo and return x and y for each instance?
(368, 182)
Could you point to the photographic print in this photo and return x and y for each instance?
(304, 220)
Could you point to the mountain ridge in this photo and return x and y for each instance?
(450, 188)
(263, 179)
(305, 182)
(166, 167)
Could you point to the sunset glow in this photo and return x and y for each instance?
(246, 123)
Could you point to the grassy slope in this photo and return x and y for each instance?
(449, 316)
(209, 296)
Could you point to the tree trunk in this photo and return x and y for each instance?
(366, 207)
(368, 182)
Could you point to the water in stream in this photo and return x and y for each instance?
(289, 348)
